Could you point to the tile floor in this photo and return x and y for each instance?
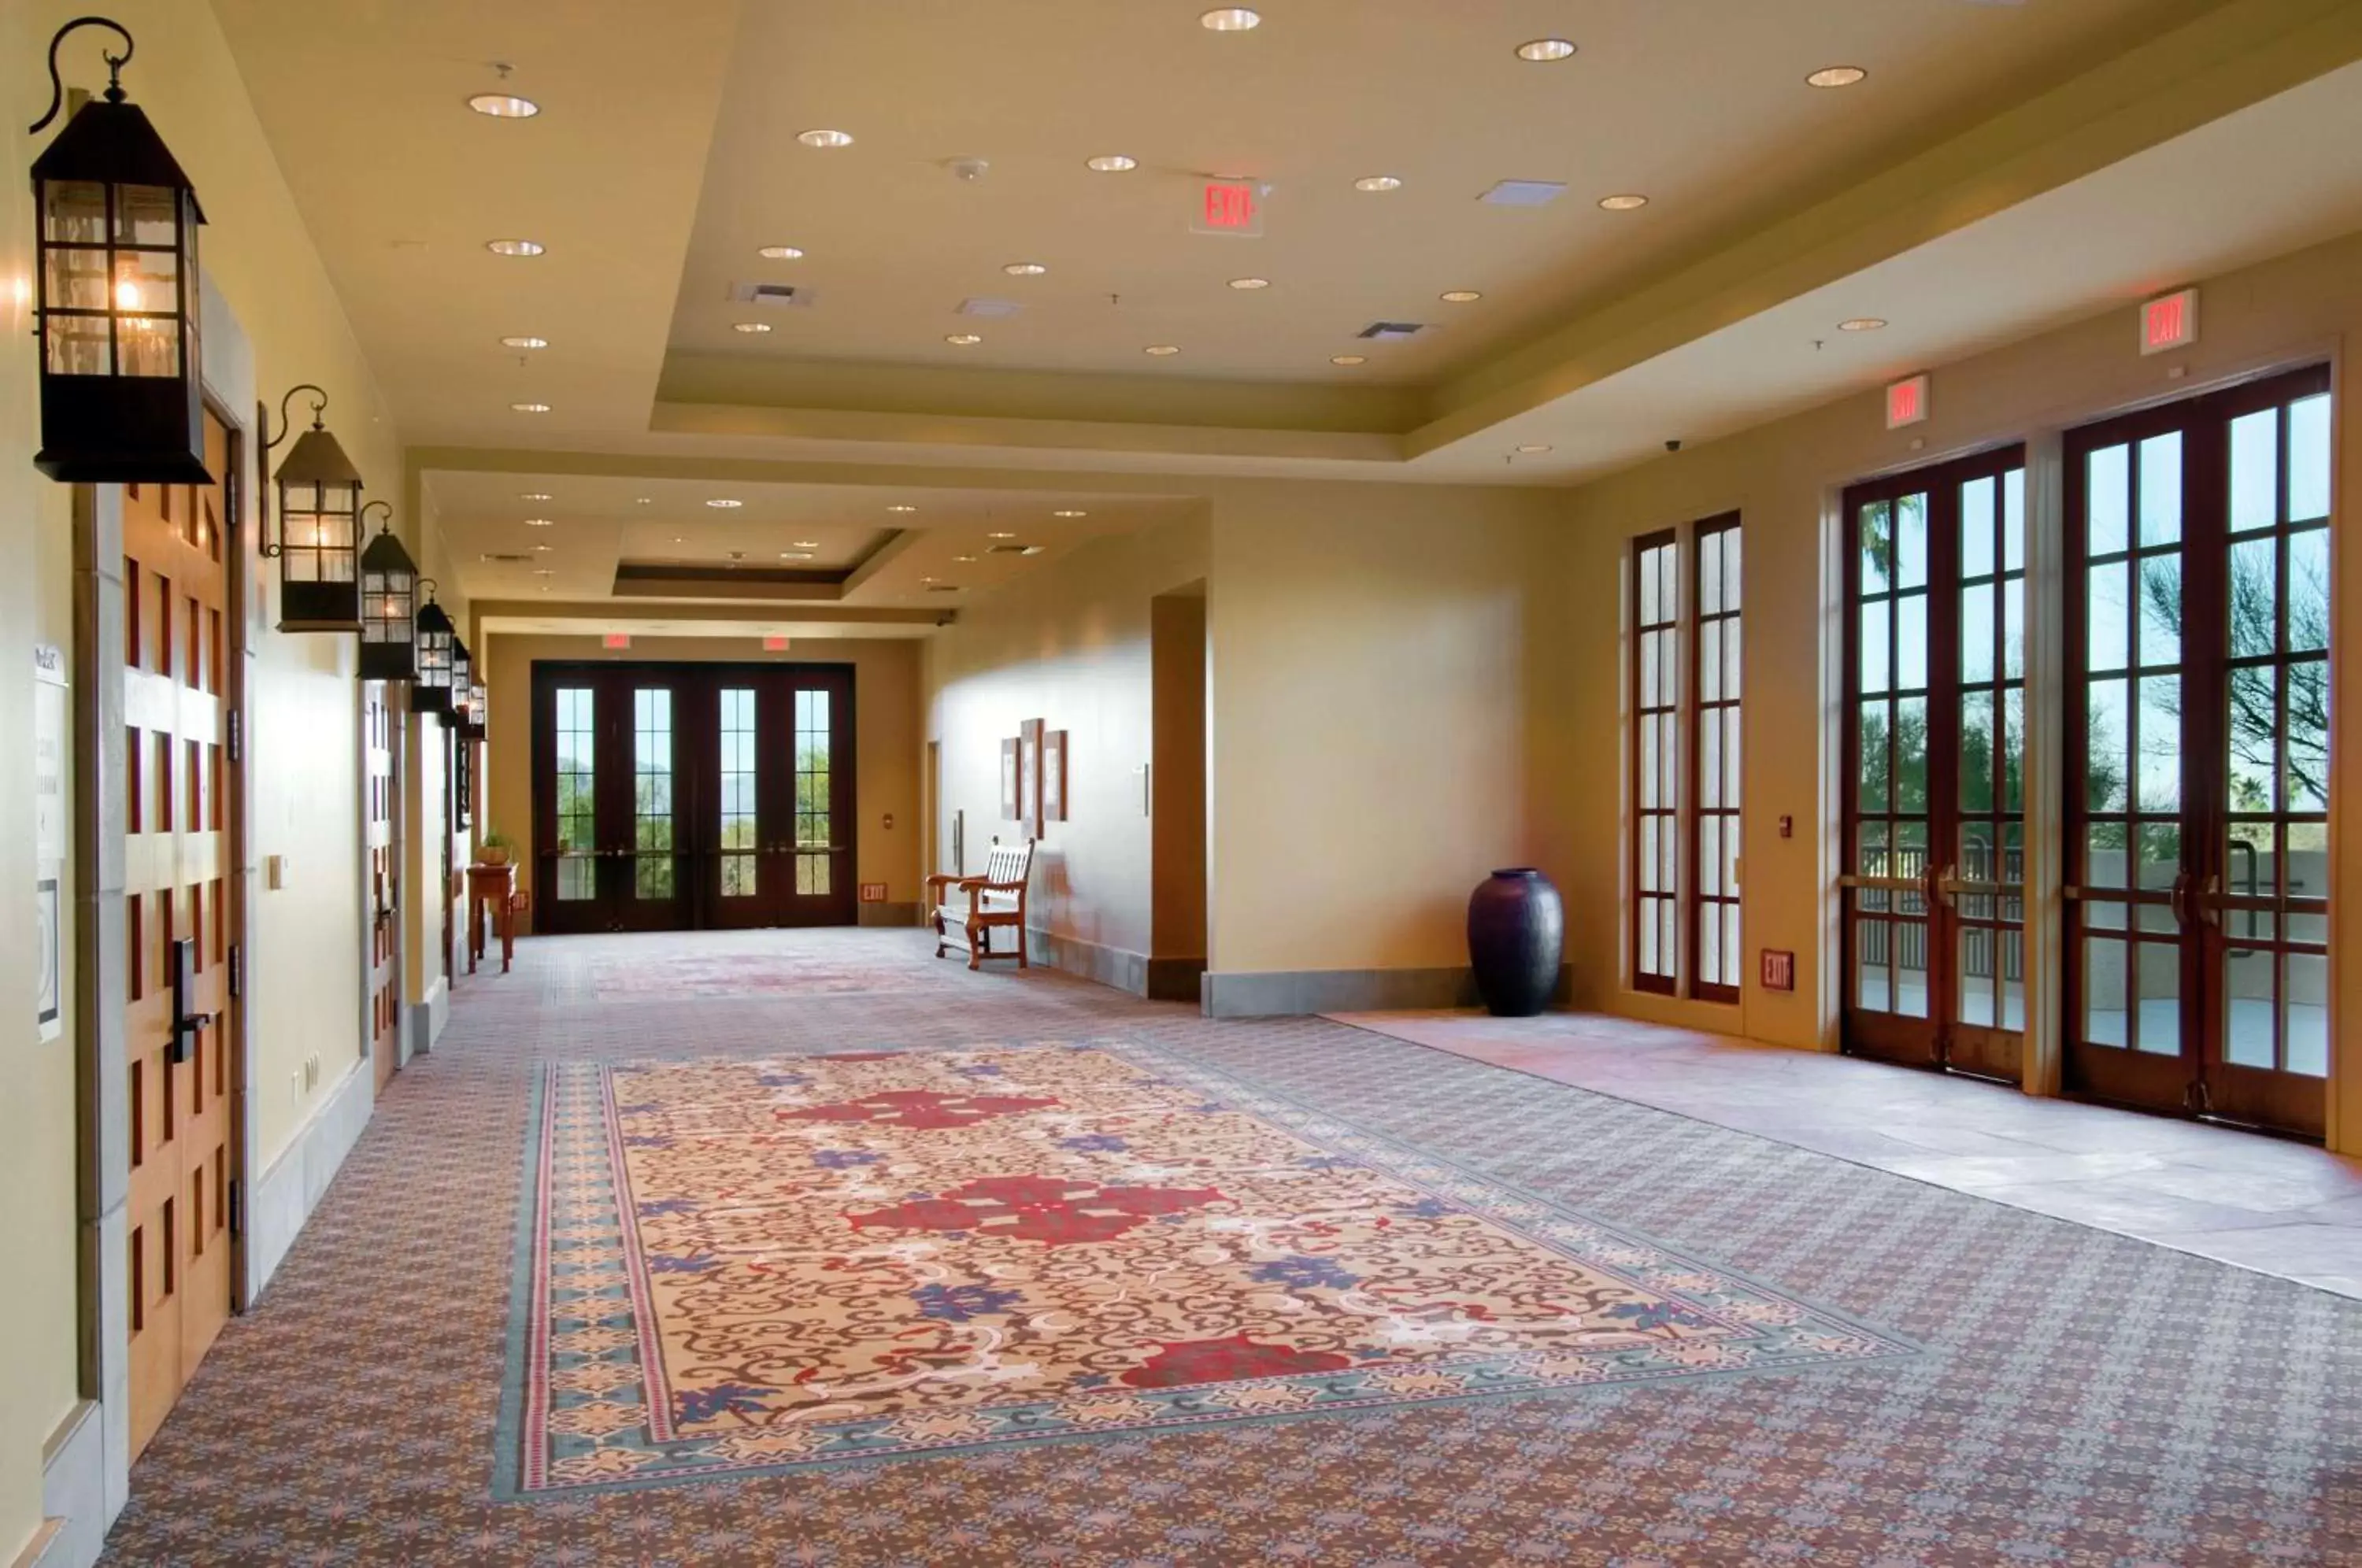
(2276, 1207)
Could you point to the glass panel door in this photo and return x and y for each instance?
(2199, 815)
(1934, 763)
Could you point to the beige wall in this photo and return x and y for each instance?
(1072, 648)
(1783, 478)
(885, 722)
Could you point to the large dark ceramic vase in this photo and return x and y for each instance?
(1516, 929)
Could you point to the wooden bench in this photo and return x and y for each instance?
(995, 901)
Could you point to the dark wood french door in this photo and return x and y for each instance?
(686, 797)
(2198, 755)
(1934, 797)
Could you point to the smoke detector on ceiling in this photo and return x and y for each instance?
(788, 294)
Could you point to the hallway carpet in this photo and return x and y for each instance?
(2075, 1397)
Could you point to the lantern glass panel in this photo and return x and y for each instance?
(385, 606)
(435, 659)
(79, 344)
(73, 212)
(317, 524)
(77, 279)
(148, 215)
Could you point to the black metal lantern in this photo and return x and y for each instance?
(472, 726)
(463, 685)
(432, 694)
(117, 302)
(389, 604)
(319, 527)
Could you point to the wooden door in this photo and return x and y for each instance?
(1935, 807)
(383, 982)
(2198, 791)
(177, 904)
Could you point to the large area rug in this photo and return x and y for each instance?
(728, 1267)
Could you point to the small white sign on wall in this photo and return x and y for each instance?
(49, 809)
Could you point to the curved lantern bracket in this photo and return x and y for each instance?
(286, 423)
(115, 64)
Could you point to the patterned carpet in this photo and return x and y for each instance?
(2077, 1397)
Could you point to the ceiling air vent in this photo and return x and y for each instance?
(943, 588)
(1391, 331)
(771, 294)
(989, 307)
(1523, 192)
(493, 559)
(1014, 549)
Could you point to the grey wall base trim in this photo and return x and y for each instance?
(1175, 980)
(74, 1490)
(425, 1020)
(888, 914)
(1125, 970)
(283, 1197)
(1290, 993)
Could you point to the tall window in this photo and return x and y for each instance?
(1685, 761)
(1716, 744)
(578, 822)
(738, 817)
(813, 827)
(1656, 700)
(652, 792)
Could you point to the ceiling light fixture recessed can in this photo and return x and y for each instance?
(725, 504)
(538, 523)
(961, 339)
(1861, 323)
(1001, 536)
(1025, 268)
(1837, 76)
(781, 253)
(806, 543)
(1111, 163)
(1230, 19)
(1250, 283)
(535, 495)
(1543, 51)
(515, 247)
(825, 138)
(1070, 512)
(1627, 202)
(1375, 183)
(530, 407)
(1460, 296)
(1349, 358)
(525, 342)
(1532, 447)
(750, 326)
(504, 105)
(898, 508)
(1163, 350)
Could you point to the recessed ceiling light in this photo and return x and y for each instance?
(929, 580)
(1025, 268)
(543, 549)
(1861, 323)
(1111, 163)
(780, 253)
(901, 509)
(1837, 76)
(806, 543)
(539, 522)
(961, 339)
(1349, 358)
(542, 572)
(1545, 50)
(825, 137)
(1377, 183)
(1250, 283)
(545, 588)
(1001, 536)
(679, 540)
(1229, 19)
(726, 504)
(515, 247)
(794, 555)
(1460, 296)
(530, 407)
(643, 501)
(1070, 512)
(503, 107)
(750, 326)
(525, 342)
(1163, 350)
(963, 559)
(1624, 204)
(537, 495)
(1530, 447)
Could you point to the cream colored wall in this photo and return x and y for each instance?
(885, 741)
(1070, 647)
(1371, 650)
(1782, 477)
(304, 974)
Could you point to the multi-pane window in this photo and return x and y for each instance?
(738, 801)
(1714, 725)
(1991, 845)
(577, 815)
(813, 827)
(1656, 797)
(652, 793)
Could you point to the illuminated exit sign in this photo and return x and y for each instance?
(2170, 322)
(617, 640)
(1228, 206)
(1907, 402)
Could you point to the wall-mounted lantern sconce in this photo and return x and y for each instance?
(319, 527)
(389, 604)
(432, 694)
(463, 685)
(474, 725)
(116, 274)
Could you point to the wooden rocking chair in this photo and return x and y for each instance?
(995, 899)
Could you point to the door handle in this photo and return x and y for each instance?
(1945, 886)
(185, 1025)
(2208, 897)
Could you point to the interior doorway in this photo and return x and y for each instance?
(1175, 793)
(380, 770)
(2198, 768)
(180, 910)
(677, 797)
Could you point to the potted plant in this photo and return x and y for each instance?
(495, 847)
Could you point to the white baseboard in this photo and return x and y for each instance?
(424, 1020)
(283, 1197)
(73, 1492)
